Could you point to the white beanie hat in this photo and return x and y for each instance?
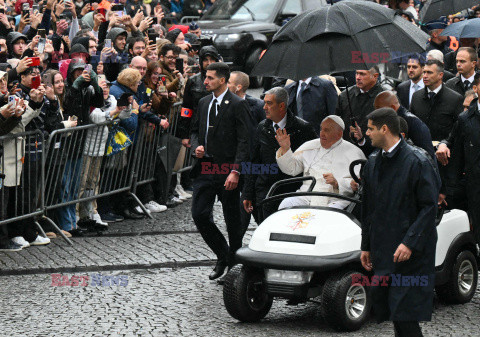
(336, 119)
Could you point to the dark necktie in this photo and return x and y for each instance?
(212, 117)
(466, 84)
(276, 127)
(300, 100)
(431, 95)
(212, 114)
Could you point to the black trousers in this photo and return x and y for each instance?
(26, 196)
(407, 329)
(473, 197)
(266, 209)
(205, 189)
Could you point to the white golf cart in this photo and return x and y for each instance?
(301, 253)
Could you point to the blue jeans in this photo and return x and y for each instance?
(66, 216)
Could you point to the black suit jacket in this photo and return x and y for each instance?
(319, 100)
(256, 107)
(439, 115)
(457, 85)
(403, 93)
(229, 141)
(447, 76)
(418, 132)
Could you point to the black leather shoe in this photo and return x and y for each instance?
(218, 270)
(79, 231)
(128, 214)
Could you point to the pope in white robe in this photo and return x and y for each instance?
(327, 159)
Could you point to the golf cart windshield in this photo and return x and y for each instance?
(241, 10)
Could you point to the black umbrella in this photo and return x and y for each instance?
(347, 36)
(434, 9)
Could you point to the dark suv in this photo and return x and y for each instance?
(242, 29)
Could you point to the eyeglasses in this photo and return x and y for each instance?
(156, 74)
(171, 57)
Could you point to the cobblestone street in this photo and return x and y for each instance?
(168, 291)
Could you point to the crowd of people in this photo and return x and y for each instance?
(73, 63)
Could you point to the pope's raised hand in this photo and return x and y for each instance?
(283, 139)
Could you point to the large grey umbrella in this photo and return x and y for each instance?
(434, 9)
(347, 36)
(463, 29)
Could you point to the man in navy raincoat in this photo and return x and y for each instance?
(401, 187)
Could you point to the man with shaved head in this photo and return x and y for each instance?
(418, 131)
(238, 84)
(140, 64)
(328, 160)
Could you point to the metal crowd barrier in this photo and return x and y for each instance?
(161, 148)
(179, 159)
(80, 169)
(74, 167)
(22, 178)
(149, 153)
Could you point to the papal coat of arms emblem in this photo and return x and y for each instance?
(300, 220)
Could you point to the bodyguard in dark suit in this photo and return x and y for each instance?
(265, 147)
(418, 132)
(464, 141)
(451, 57)
(405, 90)
(256, 107)
(220, 139)
(466, 63)
(238, 84)
(436, 105)
(312, 99)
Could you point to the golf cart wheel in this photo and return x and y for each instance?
(245, 296)
(462, 283)
(346, 305)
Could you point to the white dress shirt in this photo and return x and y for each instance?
(307, 81)
(219, 102)
(420, 84)
(393, 147)
(436, 90)
(470, 79)
(282, 123)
